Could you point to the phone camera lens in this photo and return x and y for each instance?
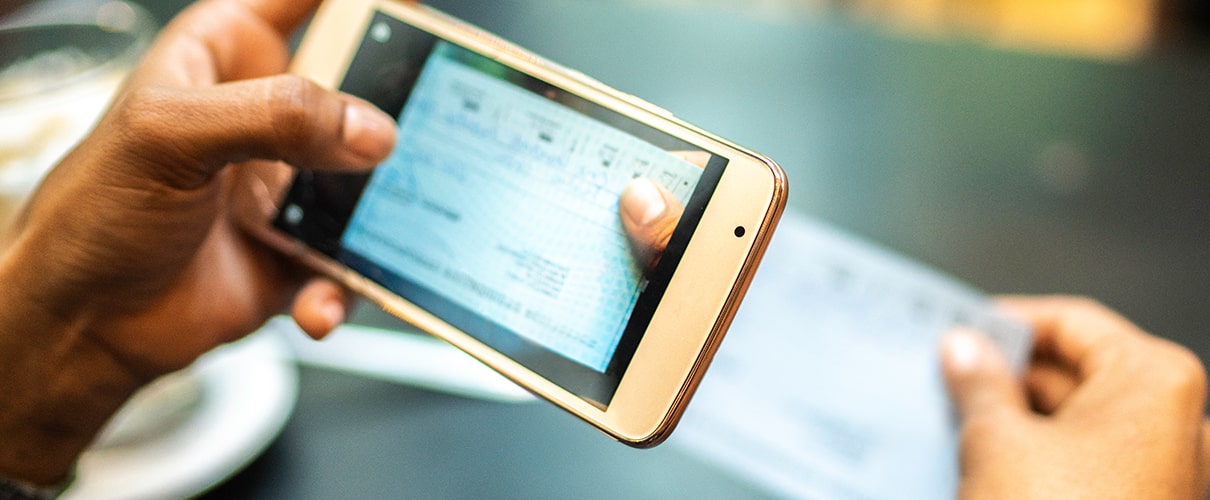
(294, 214)
(381, 33)
(740, 231)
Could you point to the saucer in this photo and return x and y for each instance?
(247, 391)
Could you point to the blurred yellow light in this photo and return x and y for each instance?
(1101, 28)
(1111, 28)
(1096, 28)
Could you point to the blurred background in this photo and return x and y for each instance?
(1101, 29)
(1023, 146)
(1113, 29)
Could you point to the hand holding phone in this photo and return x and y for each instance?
(495, 224)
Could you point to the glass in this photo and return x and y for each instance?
(60, 64)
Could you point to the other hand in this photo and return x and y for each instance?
(1106, 411)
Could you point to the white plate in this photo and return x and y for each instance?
(248, 392)
(409, 358)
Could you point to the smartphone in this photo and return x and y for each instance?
(495, 224)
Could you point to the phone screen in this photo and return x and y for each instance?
(498, 210)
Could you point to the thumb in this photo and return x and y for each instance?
(321, 306)
(182, 137)
(650, 215)
(977, 376)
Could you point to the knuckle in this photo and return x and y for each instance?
(144, 142)
(141, 112)
(1081, 313)
(1082, 304)
(294, 105)
(1182, 372)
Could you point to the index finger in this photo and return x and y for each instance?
(283, 15)
(215, 41)
(1077, 332)
(286, 15)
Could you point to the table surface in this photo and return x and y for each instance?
(1014, 172)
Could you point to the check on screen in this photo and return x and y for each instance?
(506, 204)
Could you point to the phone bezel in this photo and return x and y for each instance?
(703, 294)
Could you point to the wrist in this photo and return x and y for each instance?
(60, 385)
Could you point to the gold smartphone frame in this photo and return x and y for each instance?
(702, 297)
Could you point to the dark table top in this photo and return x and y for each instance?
(1015, 172)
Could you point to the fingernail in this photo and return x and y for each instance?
(368, 132)
(963, 349)
(334, 313)
(642, 202)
